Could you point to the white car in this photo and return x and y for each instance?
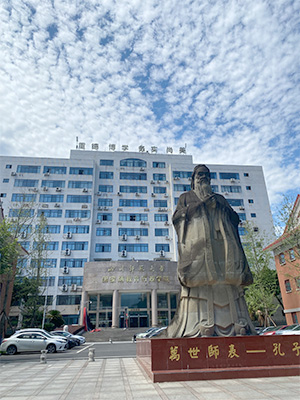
(292, 331)
(31, 341)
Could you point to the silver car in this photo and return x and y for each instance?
(31, 341)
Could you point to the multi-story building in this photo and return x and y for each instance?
(286, 253)
(116, 206)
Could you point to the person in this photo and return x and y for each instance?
(212, 267)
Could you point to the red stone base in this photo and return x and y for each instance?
(166, 360)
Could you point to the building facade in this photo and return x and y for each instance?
(116, 206)
(287, 261)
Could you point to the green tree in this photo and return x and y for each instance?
(55, 318)
(261, 294)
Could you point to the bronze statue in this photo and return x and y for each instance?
(212, 266)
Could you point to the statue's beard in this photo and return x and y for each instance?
(204, 189)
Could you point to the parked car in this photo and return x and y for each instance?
(76, 338)
(290, 330)
(39, 330)
(157, 332)
(145, 334)
(270, 330)
(31, 341)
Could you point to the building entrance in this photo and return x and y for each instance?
(134, 319)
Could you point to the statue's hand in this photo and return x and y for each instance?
(211, 201)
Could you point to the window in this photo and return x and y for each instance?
(159, 177)
(74, 245)
(103, 231)
(162, 246)
(158, 164)
(5, 180)
(51, 198)
(246, 174)
(32, 169)
(105, 188)
(213, 175)
(229, 175)
(106, 175)
(287, 284)
(133, 162)
(50, 213)
(253, 215)
(46, 246)
(22, 197)
(160, 217)
(54, 170)
(133, 231)
(235, 202)
(134, 248)
(79, 198)
(182, 188)
(159, 189)
(182, 174)
(132, 203)
(242, 216)
(48, 281)
(72, 262)
(107, 162)
(105, 202)
(53, 184)
(250, 201)
(292, 255)
(20, 213)
(80, 184)
(25, 245)
(242, 231)
(133, 217)
(133, 176)
(70, 280)
(103, 248)
(68, 300)
(76, 228)
(26, 183)
(8, 166)
(77, 213)
(104, 216)
(160, 203)
(215, 188)
(50, 229)
(231, 189)
(297, 281)
(248, 187)
(2, 194)
(161, 232)
(81, 171)
(133, 189)
(48, 263)
(281, 258)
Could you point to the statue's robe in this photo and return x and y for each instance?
(212, 269)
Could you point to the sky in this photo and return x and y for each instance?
(220, 78)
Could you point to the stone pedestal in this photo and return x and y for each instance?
(166, 360)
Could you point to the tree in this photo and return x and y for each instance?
(55, 318)
(260, 295)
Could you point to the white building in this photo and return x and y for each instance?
(116, 205)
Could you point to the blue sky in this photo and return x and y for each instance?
(221, 77)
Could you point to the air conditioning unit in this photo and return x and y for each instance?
(153, 194)
(124, 253)
(189, 178)
(58, 189)
(66, 270)
(56, 205)
(45, 205)
(124, 237)
(100, 208)
(13, 174)
(119, 194)
(232, 180)
(242, 208)
(142, 169)
(24, 235)
(69, 235)
(255, 229)
(168, 238)
(176, 178)
(143, 222)
(98, 221)
(162, 253)
(226, 193)
(84, 206)
(137, 237)
(67, 252)
(167, 223)
(73, 287)
(47, 174)
(45, 189)
(64, 288)
(105, 208)
(152, 182)
(166, 196)
(166, 182)
(137, 194)
(84, 190)
(34, 190)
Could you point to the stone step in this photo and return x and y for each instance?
(116, 334)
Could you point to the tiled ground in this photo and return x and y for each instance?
(123, 379)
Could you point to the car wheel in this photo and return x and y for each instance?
(51, 348)
(11, 350)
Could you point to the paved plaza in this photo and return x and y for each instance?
(122, 378)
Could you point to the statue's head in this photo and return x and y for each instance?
(200, 174)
